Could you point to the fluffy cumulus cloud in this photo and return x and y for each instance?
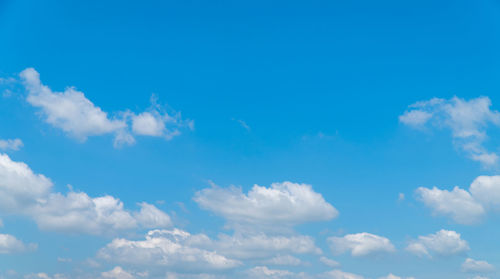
(11, 144)
(77, 212)
(166, 248)
(70, 110)
(467, 120)
(486, 191)
(20, 187)
(281, 205)
(457, 204)
(24, 192)
(476, 266)
(464, 207)
(360, 244)
(442, 243)
(77, 116)
(10, 244)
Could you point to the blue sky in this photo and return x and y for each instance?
(231, 139)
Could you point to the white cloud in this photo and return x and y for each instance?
(151, 217)
(123, 138)
(263, 220)
(457, 204)
(467, 120)
(329, 262)
(70, 110)
(78, 117)
(442, 243)
(10, 244)
(79, 213)
(471, 265)
(166, 248)
(392, 276)
(26, 193)
(415, 117)
(42, 275)
(284, 260)
(181, 251)
(173, 275)
(464, 207)
(156, 122)
(261, 246)
(339, 274)
(117, 273)
(20, 187)
(281, 205)
(264, 272)
(360, 244)
(10, 144)
(148, 124)
(486, 190)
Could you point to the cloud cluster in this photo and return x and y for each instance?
(24, 192)
(468, 121)
(78, 117)
(176, 249)
(283, 204)
(464, 207)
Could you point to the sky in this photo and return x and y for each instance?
(249, 139)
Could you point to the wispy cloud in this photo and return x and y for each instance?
(242, 123)
(11, 144)
(468, 121)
